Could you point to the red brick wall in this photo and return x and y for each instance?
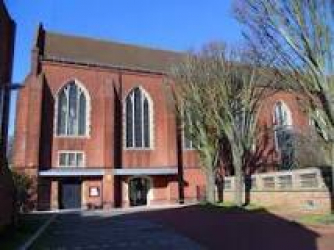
(99, 84)
(99, 146)
(194, 188)
(36, 146)
(164, 140)
(267, 154)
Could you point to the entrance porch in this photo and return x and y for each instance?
(147, 186)
(70, 188)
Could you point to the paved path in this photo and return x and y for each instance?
(193, 227)
(109, 231)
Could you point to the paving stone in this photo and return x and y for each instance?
(79, 232)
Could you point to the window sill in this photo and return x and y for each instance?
(138, 149)
(72, 136)
(189, 149)
(70, 166)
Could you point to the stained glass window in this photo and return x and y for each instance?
(138, 113)
(72, 111)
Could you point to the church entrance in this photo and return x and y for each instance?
(138, 191)
(70, 194)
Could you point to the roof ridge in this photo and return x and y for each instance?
(105, 40)
(5, 9)
(104, 52)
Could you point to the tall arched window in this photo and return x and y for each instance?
(188, 143)
(282, 115)
(284, 138)
(138, 111)
(72, 117)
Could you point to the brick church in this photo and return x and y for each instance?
(96, 128)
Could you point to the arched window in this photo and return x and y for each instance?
(138, 111)
(188, 143)
(71, 106)
(284, 138)
(282, 115)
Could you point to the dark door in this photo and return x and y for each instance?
(138, 189)
(70, 194)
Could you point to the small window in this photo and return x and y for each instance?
(268, 182)
(227, 184)
(285, 182)
(71, 159)
(309, 180)
(253, 183)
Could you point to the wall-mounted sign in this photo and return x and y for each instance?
(94, 191)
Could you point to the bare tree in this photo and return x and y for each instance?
(297, 35)
(309, 150)
(220, 98)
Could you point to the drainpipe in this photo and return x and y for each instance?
(179, 144)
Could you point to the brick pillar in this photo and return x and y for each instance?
(108, 190)
(84, 194)
(34, 122)
(108, 181)
(54, 195)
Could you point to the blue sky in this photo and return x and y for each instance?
(167, 24)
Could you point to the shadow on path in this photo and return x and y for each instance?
(232, 228)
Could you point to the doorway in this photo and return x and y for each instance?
(70, 194)
(138, 191)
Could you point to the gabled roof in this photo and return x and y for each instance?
(105, 53)
(3, 11)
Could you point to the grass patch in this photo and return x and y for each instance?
(13, 238)
(230, 206)
(317, 219)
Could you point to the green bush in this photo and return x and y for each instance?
(23, 191)
(317, 219)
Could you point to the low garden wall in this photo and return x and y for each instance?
(304, 190)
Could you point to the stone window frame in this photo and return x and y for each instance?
(184, 138)
(82, 87)
(71, 152)
(287, 124)
(151, 121)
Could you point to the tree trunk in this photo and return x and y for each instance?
(210, 187)
(238, 188)
(239, 180)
